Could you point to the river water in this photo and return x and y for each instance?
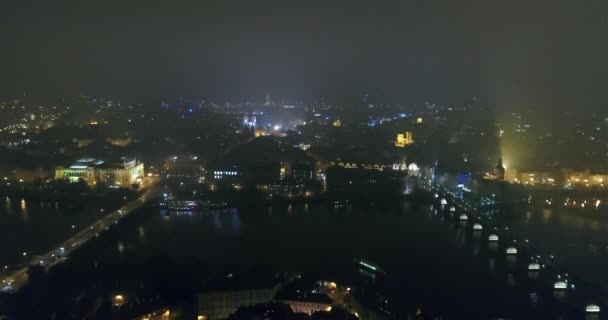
(33, 227)
(432, 259)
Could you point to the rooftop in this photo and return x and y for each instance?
(90, 163)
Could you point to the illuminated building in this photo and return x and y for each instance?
(498, 173)
(419, 120)
(260, 133)
(220, 174)
(532, 177)
(337, 123)
(302, 171)
(303, 146)
(119, 141)
(307, 303)
(585, 178)
(184, 166)
(219, 304)
(413, 169)
(250, 121)
(282, 189)
(124, 172)
(404, 139)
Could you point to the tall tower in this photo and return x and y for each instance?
(499, 170)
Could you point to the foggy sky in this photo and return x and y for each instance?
(512, 54)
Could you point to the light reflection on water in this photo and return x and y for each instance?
(405, 243)
(141, 233)
(24, 212)
(37, 226)
(547, 215)
(380, 234)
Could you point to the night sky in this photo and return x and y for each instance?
(511, 54)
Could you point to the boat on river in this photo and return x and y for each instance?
(369, 266)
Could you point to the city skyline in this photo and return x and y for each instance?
(513, 55)
(303, 160)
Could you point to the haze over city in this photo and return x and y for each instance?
(414, 159)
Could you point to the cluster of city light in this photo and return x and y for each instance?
(221, 174)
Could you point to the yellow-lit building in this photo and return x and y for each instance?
(260, 132)
(124, 172)
(337, 123)
(586, 178)
(419, 120)
(122, 141)
(309, 305)
(404, 139)
(533, 177)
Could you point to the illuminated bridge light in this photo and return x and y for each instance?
(592, 308)
(477, 226)
(533, 266)
(511, 250)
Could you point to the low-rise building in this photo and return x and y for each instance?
(307, 303)
(125, 171)
(225, 298)
(586, 178)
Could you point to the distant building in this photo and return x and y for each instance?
(585, 178)
(545, 178)
(222, 302)
(404, 139)
(345, 179)
(265, 164)
(184, 166)
(308, 304)
(498, 173)
(121, 141)
(123, 172)
(32, 174)
(302, 171)
(250, 121)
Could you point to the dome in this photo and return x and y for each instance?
(443, 201)
(477, 226)
(412, 167)
(492, 237)
(463, 217)
(511, 250)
